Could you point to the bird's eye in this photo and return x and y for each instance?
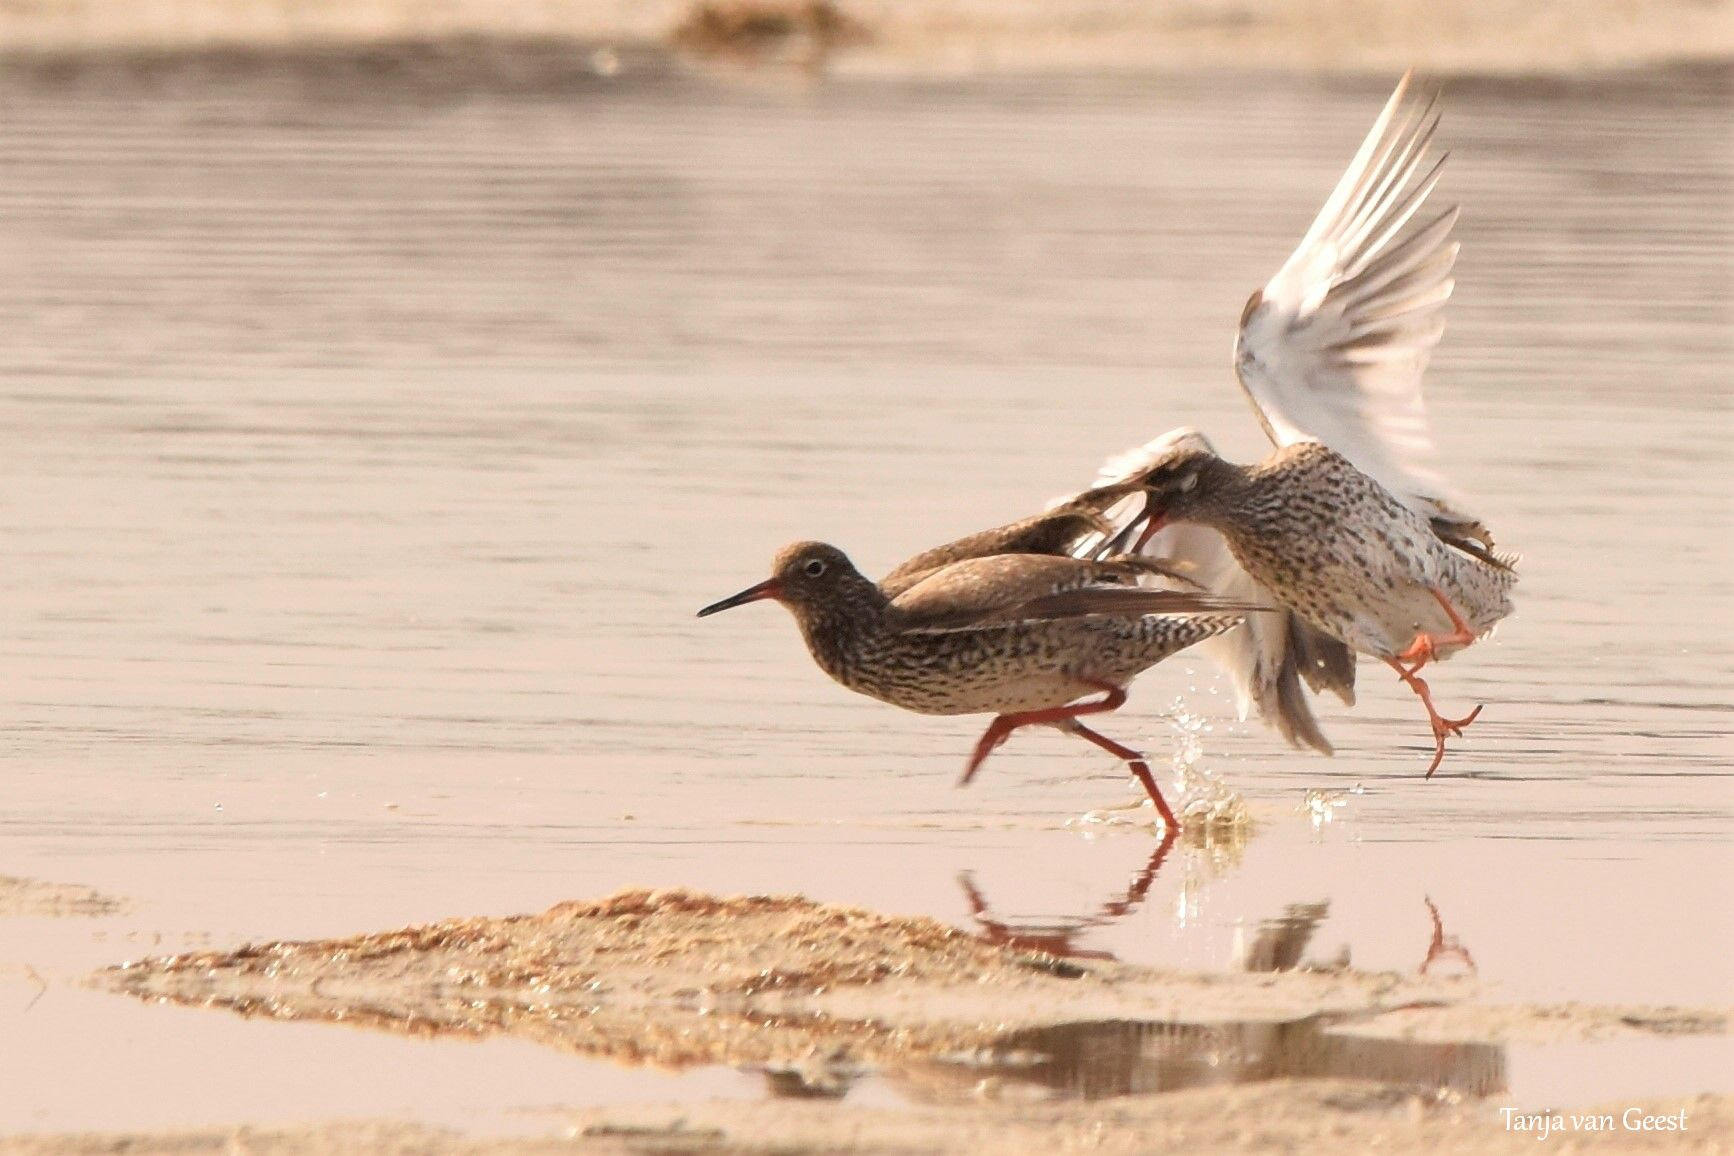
(814, 567)
(1187, 482)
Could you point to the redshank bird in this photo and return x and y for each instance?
(1347, 526)
(1003, 622)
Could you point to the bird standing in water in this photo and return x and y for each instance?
(1005, 621)
(1347, 527)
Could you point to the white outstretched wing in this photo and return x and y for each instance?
(1332, 349)
(1267, 655)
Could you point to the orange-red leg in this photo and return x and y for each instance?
(1135, 761)
(1066, 718)
(1422, 650)
(1000, 729)
(1442, 726)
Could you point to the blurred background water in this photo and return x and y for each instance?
(365, 454)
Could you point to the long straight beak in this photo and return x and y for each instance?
(769, 588)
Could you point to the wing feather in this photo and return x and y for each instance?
(1001, 588)
(1334, 346)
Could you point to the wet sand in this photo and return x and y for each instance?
(677, 978)
(1020, 1049)
(364, 460)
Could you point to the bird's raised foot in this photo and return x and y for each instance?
(1456, 725)
(1442, 727)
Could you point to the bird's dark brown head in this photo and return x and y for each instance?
(1176, 485)
(804, 577)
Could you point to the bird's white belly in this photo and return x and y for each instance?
(1388, 625)
(1373, 591)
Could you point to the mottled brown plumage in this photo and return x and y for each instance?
(1344, 554)
(1020, 635)
(1060, 532)
(1348, 526)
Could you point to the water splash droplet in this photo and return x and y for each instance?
(1321, 806)
(1205, 801)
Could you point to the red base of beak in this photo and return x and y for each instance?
(769, 588)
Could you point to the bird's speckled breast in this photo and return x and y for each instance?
(1340, 550)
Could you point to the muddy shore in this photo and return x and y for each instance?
(992, 1047)
(676, 977)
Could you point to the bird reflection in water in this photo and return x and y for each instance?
(1097, 1059)
(1281, 943)
(1103, 1058)
(1445, 947)
(1058, 938)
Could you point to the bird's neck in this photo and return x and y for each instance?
(1222, 487)
(839, 630)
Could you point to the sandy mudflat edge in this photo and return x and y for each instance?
(675, 977)
(820, 993)
(916, 37)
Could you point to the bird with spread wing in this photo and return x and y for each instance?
(1347, 527)
(1342, 542)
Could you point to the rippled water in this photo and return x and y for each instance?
(364, 457)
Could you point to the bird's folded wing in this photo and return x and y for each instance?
(1332, 349)
(1127, 602)
(1022, 587)
(1055, 532)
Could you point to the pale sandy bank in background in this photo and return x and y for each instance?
(945, 36)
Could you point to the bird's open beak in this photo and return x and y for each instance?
(769, 588)
(1154, 519)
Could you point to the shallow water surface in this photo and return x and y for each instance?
(362, 464)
